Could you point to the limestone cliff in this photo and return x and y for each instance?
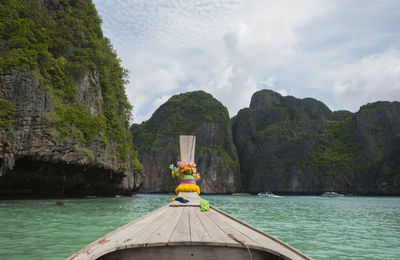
(63, 110)
(295, 145)
(193, 113)
(378, 133)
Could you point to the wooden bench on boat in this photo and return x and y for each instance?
(182, 231)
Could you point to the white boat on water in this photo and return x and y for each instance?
(267, 194)
(332, 194)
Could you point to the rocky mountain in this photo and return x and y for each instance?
(292, 145)
(193, 113)
(281, 144)
(63, 110)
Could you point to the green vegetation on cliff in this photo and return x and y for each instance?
(7, 110)
(392, 167)
(180, 115)
(61, 43)
(284, 143)
(76, 122)
(338, 154)
(299, 145)
(194, 113)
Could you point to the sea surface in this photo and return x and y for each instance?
(323, 228)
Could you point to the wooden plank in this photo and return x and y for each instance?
(193, 198)
(269, 243)
(197, 231)
(109, 240)
(229, 229)
(181, 232)
(162, 235)
(134, 235)
(187, 145)
(215, 233)
(136, 227)
(140, 238)
(179, 204)
(134, 239)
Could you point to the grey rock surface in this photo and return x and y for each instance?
(207, 119)
(292, 145)
(34, 162)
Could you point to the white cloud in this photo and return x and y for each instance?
(375, 77)
(283, 92)
(232, 48)
(159, 101)
(269, 82)
(152, 80)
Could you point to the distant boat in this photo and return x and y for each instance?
(267, 194)
(331, 194)
(241, 194)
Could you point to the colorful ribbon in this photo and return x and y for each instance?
(188, 182)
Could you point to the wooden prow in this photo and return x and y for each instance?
(188, 145)
(183, 231)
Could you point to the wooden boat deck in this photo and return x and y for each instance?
(181, 225)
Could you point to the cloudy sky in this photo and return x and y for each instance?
(344, 53)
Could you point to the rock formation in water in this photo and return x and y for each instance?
(295, 145)
(284, 144)
(63, 109)
(193, 113)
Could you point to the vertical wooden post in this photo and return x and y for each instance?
(188, 145)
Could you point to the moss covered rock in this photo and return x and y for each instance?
(292, 145)
(67, 86)
(193, 113)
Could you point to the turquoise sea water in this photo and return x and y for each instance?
(323, 228)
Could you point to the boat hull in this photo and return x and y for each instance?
(196, 252)
(183, 230)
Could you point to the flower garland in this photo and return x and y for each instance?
(188, 175)
(187, 188)
(184, 168)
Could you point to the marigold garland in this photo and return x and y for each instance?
(187, 174)
(187, 188)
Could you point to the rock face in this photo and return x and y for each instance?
(35, 163)
(193, 113)
(295, 145)
(283, 144)
(273, 137)
(56, 141)
(378, 133)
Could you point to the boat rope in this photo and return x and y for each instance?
(241, 242)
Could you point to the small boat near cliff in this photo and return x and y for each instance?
(267, 194)
(188, 231)
(331, 194)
